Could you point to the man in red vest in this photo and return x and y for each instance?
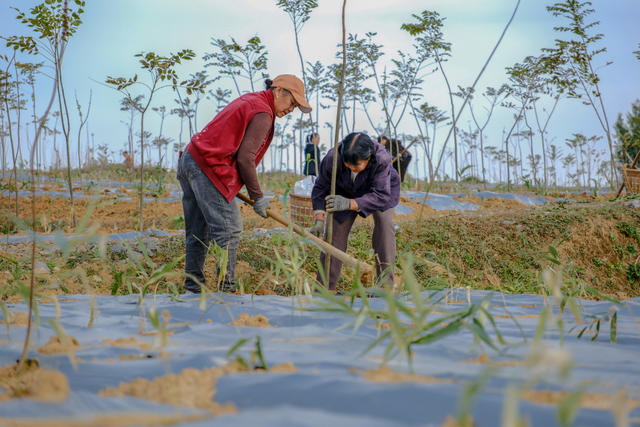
(222, 158)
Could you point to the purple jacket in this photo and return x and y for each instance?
(377, 188)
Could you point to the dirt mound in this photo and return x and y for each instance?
(34, 382)
(112, 420)
(384, 374)
(113, 214)
(483, 359)
(257, 321)
(17, 318)
(493, 203)
(192, 388)
(130, 342)
(58, 346)
(597, 401)
(602, 255)
(453, 422)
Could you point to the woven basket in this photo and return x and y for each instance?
(301, 210)
(631, 179)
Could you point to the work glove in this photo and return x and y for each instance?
(337, 203)
(318, 228)
(260, 206)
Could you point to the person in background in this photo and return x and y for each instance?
(311, 154)
(366, 185)
(218, 161)
(395, 147)
(128, 161)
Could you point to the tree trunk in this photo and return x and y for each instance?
(64, 115)
(141, 193)
(334, 169)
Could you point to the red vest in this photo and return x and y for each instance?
(215, 148)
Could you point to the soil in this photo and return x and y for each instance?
(112, 420)
(597, 401)
(34, 383)
(257, 321)
(516, 316)
(114, 215)
(453, 422)
(20, 318)
(485, 360)
(131, 342)
(193, 388)
(384, 374)
(58, 346)
(598, 240)
(493, 203)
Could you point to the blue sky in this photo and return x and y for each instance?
(113, 31)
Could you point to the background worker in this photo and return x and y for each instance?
(222, 158)
(128, 161)
(312, 154)
(395, 147)
(366, 185)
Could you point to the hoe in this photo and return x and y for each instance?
(366, 271)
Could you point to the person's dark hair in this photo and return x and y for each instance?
(356, 147)
(310, 137)
(381, 137)
(268, 84)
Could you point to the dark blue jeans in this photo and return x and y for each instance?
(208, 219)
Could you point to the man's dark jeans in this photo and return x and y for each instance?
(208, 218)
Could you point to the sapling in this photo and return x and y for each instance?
(65, 340)
(5, 315)
(160, 69)
(256, 358)
(7, 96)
(430, 43)
(92, 310)
(299, 11)
(234, 60)
(570, 63)
(316, 81)
(334, 166)
(62, 28)
(160, 322)
(472, 88)
(493, 96)
(83, 122)
(54, 22)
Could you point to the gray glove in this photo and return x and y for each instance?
(337, 203)
(318, 228)
(260, 206)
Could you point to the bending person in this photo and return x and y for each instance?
(366, 185)
(399, 155)
(218, 161)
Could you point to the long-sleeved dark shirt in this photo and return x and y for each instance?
(253, 138)
(376, 188)
(311, 159)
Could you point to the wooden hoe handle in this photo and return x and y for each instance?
(326, 247)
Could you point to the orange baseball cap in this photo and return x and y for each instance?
(296, 87)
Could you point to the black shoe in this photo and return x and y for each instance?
(229, 286)
(193, 289)
(191, 286)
